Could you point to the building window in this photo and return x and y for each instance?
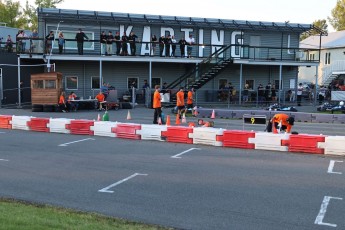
(327, 58)
(250, 84)
(311, 57)
(71, 82)
(222, 83)
(156, 81)
(50, 84)
(95, 83)
(132, 81)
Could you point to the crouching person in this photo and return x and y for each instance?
(280, 122)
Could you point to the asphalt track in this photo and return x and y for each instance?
(173, 184)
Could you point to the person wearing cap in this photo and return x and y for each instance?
(110, 39)
(281, 122)
(157, 105)
(190, 42)
(103, 40)
(80, 41)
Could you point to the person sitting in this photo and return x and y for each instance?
(280, 122)
(100, 101)
(62, 102)
(73, 104)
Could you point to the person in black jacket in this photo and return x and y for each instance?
(124, 39)
(182, 43)
(117, 39)
(161, 45)
(133, 46)
(167, 42)
(80, 41)
(103, 40)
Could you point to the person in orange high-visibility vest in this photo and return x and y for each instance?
(157, 105)
(100, 100)
(284, 121)
(180, 101)
(190, 99)
(62, 102)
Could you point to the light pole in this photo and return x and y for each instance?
(51, 50)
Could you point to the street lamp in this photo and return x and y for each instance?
(51, 50)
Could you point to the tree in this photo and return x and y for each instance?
(11, 14)
(321, 24)
(30, 16)
(338, 16)
(48, 3)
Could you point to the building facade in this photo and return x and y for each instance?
(225, 51)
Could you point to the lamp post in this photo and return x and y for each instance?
(51, 50)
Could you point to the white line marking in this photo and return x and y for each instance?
(65, 144)
(3, 160)
(2, 132)
(331, 166)
(178, 155)
(323, 211)
(120, 182)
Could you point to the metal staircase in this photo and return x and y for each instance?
(205, 71)
(331, 72)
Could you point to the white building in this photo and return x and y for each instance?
(332, 58)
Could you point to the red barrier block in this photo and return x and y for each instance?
(127, 131)
(306, 143)
(178, 134)
(238, 139)
(5, 122)
(81, 127)
(38, 124)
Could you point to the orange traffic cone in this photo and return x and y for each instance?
(99, 117)
(159, 121)
(184, 120)
(167, 123)
(213, 115)
(178, 122)
(129, 116)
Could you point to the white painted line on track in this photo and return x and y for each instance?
(65, 144)
(106, 189)
(178, 155)
(2, 132)
(3, 160)
(331, 166)
(323, 210)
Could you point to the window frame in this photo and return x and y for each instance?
(66, 86)
(91, 83)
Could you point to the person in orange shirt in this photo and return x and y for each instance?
(100, 100)
(157, 105)
(62, 102)
(190, 99)
(73, 104)
(180, 102)
(284, 121)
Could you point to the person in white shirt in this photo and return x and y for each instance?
(299, 94)
(173, 46)
(190, 42)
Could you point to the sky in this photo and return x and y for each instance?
(294, 11)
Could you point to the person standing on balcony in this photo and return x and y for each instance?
(124, 39)
(80, 41)
(110, 39)
(103, 40)
(161, 45)
(190, 42)
(132, 39)
(167, 43)
(182, 43)
(153, 44)
(49, 42)
(9, 44)
(173, 46)
(34, 42)
(61, 42)
(117, 39)
(299, 94)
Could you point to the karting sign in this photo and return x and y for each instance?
(254, 119)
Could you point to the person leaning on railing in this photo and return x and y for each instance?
(9, 44)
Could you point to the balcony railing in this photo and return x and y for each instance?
(93, 47)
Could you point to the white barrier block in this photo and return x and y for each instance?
(206, 136)
(21, 122)
(103, 128)
(58, 125)
(333, 145)
(151, 132)
(269, 141)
